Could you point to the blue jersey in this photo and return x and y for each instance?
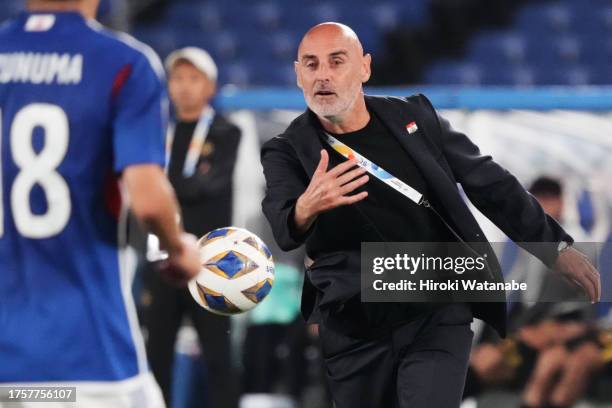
(78, 104)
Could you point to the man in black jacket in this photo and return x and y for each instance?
(390, 354)
(202, 148)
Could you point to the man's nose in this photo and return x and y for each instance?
(323, 72)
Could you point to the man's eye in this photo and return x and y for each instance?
(310, 65)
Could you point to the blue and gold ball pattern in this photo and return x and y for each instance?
(237, 271)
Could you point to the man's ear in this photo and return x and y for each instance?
(297, 74)
(366, 70)
(213, 89)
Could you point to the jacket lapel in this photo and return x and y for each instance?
(396, 116)
(302, 135)
(396, 119)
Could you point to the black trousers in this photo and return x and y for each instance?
(422, 363)
(163, 309)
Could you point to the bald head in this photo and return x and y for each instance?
(331, 68)
(331, 33)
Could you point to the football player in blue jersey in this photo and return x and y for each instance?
(82, 120)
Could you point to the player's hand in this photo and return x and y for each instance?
(328, 190)
(576, 267)
(184, 264)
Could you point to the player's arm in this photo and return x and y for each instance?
(153, 203)
(139, 123)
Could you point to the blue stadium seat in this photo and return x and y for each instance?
(521, 76)
(571, 75)
(268, 16)
(237, 73)
(415, 13)
(226, 46)
(587, 19)
(207, 16)
(252, 18)
(454, 73)
(186, 37)
(544, 18)
(371, 37)
(280, 49)
(325, 12)
(301, 19)
(280, 74)
(607, 18)
(499, 47)
(162, 39)
(601, 74)
(552, 51)
(10, 8)
(223, 46)
(283, 45)
(597, 51)
(385, 16)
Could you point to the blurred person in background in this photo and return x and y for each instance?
(551, 362)
(201, 149)
(562, 328)
(555, 346)
(570, 354)
(547, 293)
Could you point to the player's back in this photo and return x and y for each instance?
(72, 114)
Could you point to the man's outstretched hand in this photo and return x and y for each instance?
(328, 190)
(575, 266)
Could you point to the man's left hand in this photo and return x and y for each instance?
(575, 266)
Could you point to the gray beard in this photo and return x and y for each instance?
(335, 118)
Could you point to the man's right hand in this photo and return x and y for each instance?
(183, 264)
(328, 190)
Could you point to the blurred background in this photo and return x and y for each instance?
(437, 42)
(528, 81)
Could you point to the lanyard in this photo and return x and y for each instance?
(375, 170)
(197, 141)
(397, 185)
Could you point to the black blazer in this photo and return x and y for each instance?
(445, 158)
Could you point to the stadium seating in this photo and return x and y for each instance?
(562, 42)
(254, 42)
(566, 42)
(10, 8)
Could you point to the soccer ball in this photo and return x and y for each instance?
(237, 271)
